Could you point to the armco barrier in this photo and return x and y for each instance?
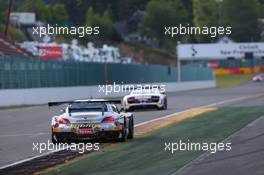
(44, 95)
(25, 72)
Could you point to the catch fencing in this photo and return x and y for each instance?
(27, 72)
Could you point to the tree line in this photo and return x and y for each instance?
(242, 15)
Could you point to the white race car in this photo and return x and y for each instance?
(91, 119)
(146, 98)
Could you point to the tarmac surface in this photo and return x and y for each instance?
(21, 127)
(246, 156)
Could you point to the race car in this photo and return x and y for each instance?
(258, 78)
(146, 98)
(91, 119)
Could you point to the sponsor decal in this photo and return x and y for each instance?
(93, 126)
(50, 52)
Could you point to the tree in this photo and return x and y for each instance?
(261, 1)
(76, 10)
(188, 5)
(104, 22)
(2, 11)
(242, 16)
(54, 13)
(36, 6)
(57, 12)
(161, 14)
(261, 8)
(206, 14)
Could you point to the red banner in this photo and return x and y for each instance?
(50, 52)
(213, 64)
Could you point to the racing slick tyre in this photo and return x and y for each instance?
(165, 104)
(124, 132)
(55, 138)
(131, 128)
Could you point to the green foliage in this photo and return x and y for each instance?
(261, 8)
(228, 81)
(119, 9)
(160, 14)
(1, 12)
(76, 10)
(206, 13)
(188, 5)
(242, 16)
(57, 12)
(14, 33)
(261, 1)
(37, 6)
(54, 13)
(104, 22)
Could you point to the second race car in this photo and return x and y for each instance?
(146, 98)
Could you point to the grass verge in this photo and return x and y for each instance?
(146, 155)
(227, 81)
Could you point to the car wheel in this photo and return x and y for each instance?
(124, 132)
(131, 128)
(165, 104)
(55, 138)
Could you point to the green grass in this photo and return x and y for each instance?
(147, 156)
(227, 81)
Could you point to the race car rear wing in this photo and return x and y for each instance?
(113, 101)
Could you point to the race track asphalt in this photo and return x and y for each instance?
(21, 127)
(245, 158)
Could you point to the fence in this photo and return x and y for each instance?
(25, 72)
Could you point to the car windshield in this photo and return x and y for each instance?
(87, 107)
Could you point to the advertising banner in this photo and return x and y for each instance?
(50, 52)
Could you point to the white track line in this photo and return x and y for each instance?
(146, 122)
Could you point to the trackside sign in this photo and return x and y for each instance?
(218, 51)
(50, 52)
